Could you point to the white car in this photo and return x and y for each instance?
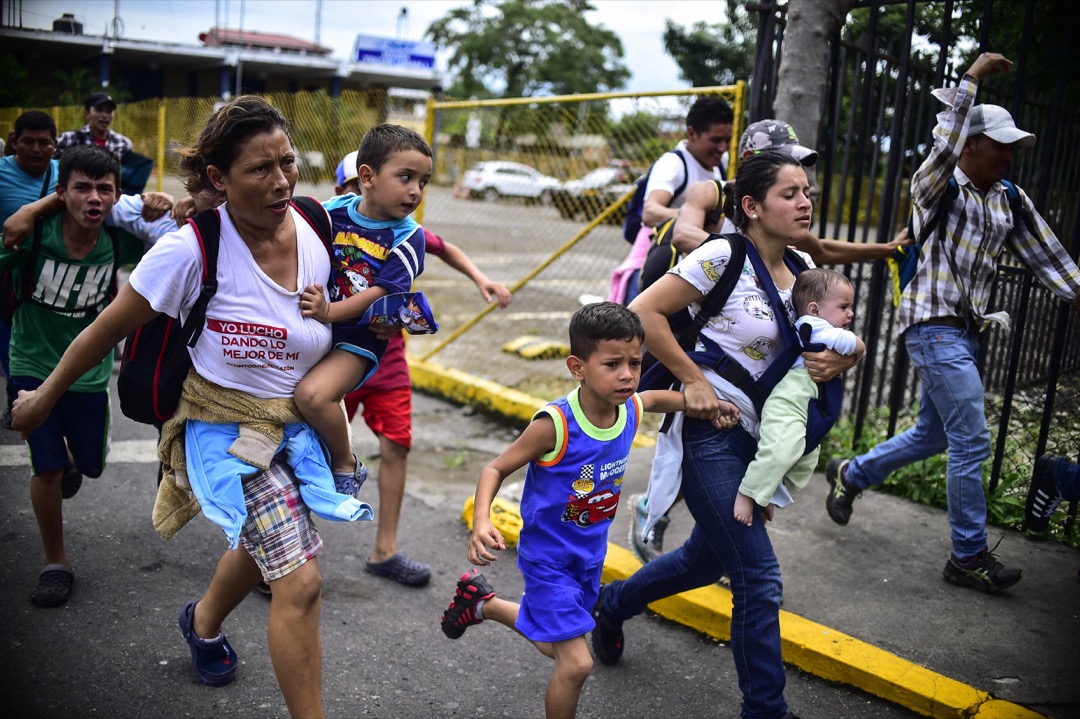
(492, 180)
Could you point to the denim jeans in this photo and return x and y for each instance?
(951, 416)
(713, 467)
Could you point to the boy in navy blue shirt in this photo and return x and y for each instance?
(378, 250)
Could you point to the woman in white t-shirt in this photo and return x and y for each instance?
(254, 342)
(770, 206)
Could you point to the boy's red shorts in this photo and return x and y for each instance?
(387, 412)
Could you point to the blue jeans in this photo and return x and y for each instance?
(713, 466)
(951, 416)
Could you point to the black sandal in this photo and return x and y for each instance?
(54, 586)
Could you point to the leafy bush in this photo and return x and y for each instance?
(924, 482)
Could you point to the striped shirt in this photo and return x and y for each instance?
(955, 276)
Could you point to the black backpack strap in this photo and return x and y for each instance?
(47, 184)
(207, 226)
(25, 291)
(718, 295)
(315, 215)
(114, 235)
(685, 175)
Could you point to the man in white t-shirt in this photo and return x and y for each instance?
(708, 136)
(698, 157)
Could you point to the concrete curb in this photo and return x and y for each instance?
(812, 647)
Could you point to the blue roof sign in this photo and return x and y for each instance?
(418, 54)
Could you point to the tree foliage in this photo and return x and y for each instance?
(518, 48)
(714, 53)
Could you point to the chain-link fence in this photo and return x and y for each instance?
(323, 129)
(534, 190)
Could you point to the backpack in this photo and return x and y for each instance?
(156, 361)
(904, 261)
(823, 410)
(9, 299)
(634, 208)
(662, 255)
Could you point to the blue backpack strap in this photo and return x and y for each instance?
(1016, 205)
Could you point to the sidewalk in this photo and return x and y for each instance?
(866, 604)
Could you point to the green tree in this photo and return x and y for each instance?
(714, 54)
(519, 48)
(12, 81)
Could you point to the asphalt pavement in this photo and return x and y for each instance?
(868, 595)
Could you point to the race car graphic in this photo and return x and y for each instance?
(592, 508)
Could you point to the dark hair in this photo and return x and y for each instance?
(92, 160)
(755, 176)
(34, 120)
(599, 321)
(709, 110)
(381, 141)
(219, 144)
(814, 285)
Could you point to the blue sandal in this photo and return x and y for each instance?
(350, 483)
(213, 660)
(401, 569)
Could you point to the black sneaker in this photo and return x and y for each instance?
(70, 482)
(607, 636)
(1043, 496)
(472, 588)
(841, 496)
(983, 572)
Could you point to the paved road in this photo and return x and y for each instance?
(114, 649)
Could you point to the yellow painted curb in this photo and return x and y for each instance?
(491, 397)
(536, 348)
(812, 647)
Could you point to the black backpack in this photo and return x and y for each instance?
(632, 223)
(155, 359)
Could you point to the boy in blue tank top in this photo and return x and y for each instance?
(576, 449)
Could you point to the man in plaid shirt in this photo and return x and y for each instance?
(98, 111)
(945, 307)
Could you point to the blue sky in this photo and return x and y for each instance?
(639, 23)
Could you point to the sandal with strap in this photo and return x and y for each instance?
(349, 483)
(213, 660)
(53, 586)
(401, 569)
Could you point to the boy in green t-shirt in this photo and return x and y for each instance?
(72, 273)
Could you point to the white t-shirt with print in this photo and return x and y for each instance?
(745, 328)
(254, 339)
(667, 174)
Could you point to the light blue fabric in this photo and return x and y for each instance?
(216, 476)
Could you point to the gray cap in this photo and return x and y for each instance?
(996, 123)
(775, 135)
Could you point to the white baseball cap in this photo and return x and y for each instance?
(346, 169)
(996, 123)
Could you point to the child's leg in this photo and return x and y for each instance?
(572, 666)
(48, 510)
(318, 397)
